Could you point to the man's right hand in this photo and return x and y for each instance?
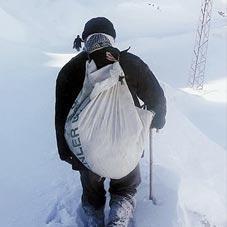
(158, 122)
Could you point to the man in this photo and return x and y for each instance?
(99, 35)
(77, 43)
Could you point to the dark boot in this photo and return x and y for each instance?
(121, 211)
(122, 203)
(93, 217)
(93, 199)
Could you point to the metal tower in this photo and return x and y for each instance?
(196, 79)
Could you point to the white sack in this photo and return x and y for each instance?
(104, 129)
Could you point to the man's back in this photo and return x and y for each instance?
(140, 80)
(137, 73)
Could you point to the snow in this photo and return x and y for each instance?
(214, 91)
(58, 60)
(14, 31)
(190, 158)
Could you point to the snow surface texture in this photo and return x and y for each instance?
(189, 153)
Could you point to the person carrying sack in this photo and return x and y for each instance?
(97, 113)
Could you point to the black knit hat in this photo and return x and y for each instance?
(98, 25)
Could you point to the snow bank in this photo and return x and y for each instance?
(199, 162)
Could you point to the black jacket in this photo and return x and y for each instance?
(141, 82)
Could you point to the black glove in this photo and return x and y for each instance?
(158, 122)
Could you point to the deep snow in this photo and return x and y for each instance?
(37, 189)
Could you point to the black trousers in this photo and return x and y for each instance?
(95, 194)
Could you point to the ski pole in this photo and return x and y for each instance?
(151, 164)
(151, 196)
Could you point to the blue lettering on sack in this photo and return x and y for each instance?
(78, 150)
(73, 134)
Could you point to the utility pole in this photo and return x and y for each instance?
(198, 65)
